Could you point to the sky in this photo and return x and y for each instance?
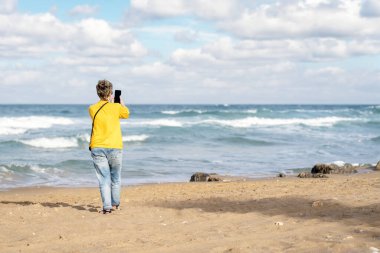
(191, 51)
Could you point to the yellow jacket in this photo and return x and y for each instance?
(107, 131)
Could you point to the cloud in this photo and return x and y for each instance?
(326, 71)
(303, 19)
(86, 10)
(87, 38)
(8, 6)
(154, 70)
(173, 8)
(370, 8)
(229, 51)
(186, 35)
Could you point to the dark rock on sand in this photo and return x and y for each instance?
(200, 177)
(282, 175)
(377, 166)
(333, 169)
(311, 175)
(213, 177)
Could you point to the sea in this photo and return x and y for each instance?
(47, 145)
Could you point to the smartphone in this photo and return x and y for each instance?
(117, 96)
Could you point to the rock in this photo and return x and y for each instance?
(333, 168)
(377, 166)
(200, 177)
(311, 175)
(213, 177)
(282, 175)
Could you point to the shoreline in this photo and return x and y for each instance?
(234, 179)
(336, 214)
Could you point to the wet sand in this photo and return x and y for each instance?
(336, 214)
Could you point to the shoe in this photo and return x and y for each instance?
(107, 211)
(115, 208)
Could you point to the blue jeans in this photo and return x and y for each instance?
(107, 163)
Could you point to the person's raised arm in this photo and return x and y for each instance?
(124, 111)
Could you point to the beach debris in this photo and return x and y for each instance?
(279, 223)
(377, 166)
(374, 250)
(348, 237)
(60, 237)
(311, 175)
(333, 168)
(282, 175)
(213, 177)
(317, 203)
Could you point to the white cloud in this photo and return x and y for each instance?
(84, 10)
(171, 8)
(86, 38)
(8, 6)
(186, 35)
(303, 19)
(326, 71)
(259, 52)
(20, 77)
(370, 8)
(153, 70)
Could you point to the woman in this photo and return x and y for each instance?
(106, 144)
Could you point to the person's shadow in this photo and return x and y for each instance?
(292, 206)
(89, 208)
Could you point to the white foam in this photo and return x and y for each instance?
(4, 169)
(177, 112)
(159, 122)
(49, 170)
(19, 125)
(253, 111)
(255, 121)
(135, 138)
(58, 142)
(11, 131)
(84, 137)
(170, 112)
(339, 163)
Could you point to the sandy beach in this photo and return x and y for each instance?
(336, 214)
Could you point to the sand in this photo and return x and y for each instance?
(337, 214)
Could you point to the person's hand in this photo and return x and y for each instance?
(111, 99)
(121, 101)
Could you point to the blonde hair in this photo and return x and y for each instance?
(104, 89)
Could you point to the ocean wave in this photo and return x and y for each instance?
(135, 138)
(255, 121)
(58, 142)
(244, 141)
(83, 137)
(192, 112)
(15, 175)
(127, 138)
(159, 122)
(73, 142)
(183, 111)
(19, 125)
(28, 168)
(245, 122)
